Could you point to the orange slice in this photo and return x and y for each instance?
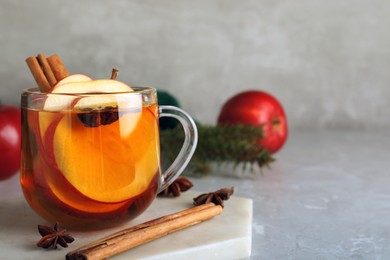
(64, 196)
(108, 163)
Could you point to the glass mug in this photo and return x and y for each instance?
(93, 160)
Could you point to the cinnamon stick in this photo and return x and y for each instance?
(151, 223)
(57, 67)
(38, 74)
(145, 232)
(46, 69)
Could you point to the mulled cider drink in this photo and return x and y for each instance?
(92, 160)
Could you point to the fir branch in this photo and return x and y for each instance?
(220, 144)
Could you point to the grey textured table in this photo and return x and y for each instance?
(326, 197)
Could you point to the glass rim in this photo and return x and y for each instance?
(137, 90)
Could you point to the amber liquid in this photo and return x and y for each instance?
(89, 177)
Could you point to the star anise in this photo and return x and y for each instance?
(217, 197)
(181, 184)
(52, 236)
(94, 118)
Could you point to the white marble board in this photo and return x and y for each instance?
(227, 236)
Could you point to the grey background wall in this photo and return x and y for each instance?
(328, 62)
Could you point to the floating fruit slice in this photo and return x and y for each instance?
(81, 84)
(101, 162)
(72, 79)
(58, 191)
(67, 100)
(107, 163)
(67, 85)
(58, 102)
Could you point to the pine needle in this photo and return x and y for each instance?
(220, 144)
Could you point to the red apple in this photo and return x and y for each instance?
(10, 133)
(258, 108)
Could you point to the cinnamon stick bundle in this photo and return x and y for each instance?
(58, 68)
(46, 71)
(145, 232)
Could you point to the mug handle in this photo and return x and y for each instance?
(188, 148)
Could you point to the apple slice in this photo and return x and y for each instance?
(72, 78)
(48, 118)
(93, 87)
